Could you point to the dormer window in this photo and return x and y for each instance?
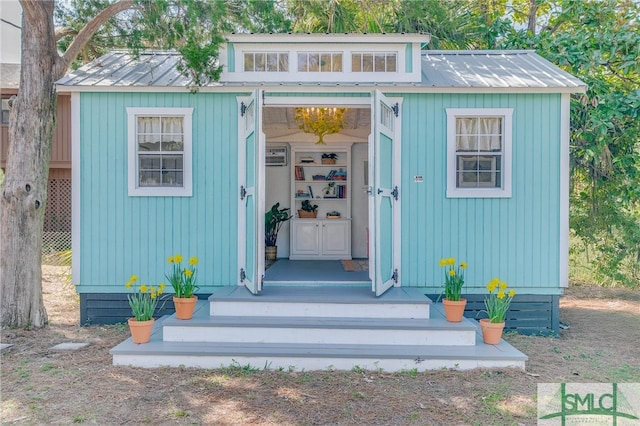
(266, 61)
(320, 61)
(374, 62)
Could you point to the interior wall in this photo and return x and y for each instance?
(277, 190)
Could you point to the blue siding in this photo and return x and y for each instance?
(122, 235)
(515, 239)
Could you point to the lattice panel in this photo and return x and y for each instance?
(57, 217)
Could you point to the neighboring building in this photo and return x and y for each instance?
(57, 222)
(442, 154)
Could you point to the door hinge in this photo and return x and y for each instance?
(396, 109)
(243, 109)
(243, 192)
(394, 277)
(243, 276)
(394, 193)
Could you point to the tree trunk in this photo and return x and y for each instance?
(24, 191)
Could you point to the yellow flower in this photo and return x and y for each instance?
(162, 286)
(144, 288)
(492, 285)
(500, 295)
(188, 273)
(444, 262)
(463, 265)
(452, 272)
(170, 259)
(503, 285)
(512, 293)
(133, 278)
(153, 293)
(193, 261)
(452, 261)
(128, 284)
(177, 258)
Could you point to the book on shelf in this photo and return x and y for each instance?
(299, 171)
(310, 192)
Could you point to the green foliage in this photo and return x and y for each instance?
(453, 278)
(498, 301)
(183, 280)
(145, 299)
(273, 221)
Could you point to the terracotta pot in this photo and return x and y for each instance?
(271, 252)
(491, 332)
(184, 307)
(140, 330)
(454, 311)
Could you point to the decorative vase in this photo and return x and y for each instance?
(454, 310)
(271, 252)
(491, 331)
(184, 307)
(140, 330)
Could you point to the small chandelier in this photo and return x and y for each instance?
(320, 121)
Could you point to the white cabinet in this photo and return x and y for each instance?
(320, 239)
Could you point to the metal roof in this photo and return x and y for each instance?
(9, 76)
(442, 70)
(493, 69)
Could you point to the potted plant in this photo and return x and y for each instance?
(308, 210)
(183, 281)
(143, 306)
(329, 158)
(497, 305)
(273, 221)
(453, 302)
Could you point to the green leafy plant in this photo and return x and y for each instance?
(183, 280)
(308, 207)
(144, 301)
(273, 221)
(498, 301)
(453, 278)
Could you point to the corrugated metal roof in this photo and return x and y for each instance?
(440, 69)
(9, 76)
(493, 69)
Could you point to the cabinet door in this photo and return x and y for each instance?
(305, 239)
(336, 238)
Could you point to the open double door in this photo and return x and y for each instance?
(384, 194)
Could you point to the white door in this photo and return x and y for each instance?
(384, 202)
(251, 190)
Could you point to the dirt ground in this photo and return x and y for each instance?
(43, 386)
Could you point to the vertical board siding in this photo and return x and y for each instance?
(515, 239)
(122, 235)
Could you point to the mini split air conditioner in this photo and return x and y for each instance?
(277, 156)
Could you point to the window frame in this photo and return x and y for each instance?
(133, 154)
(453, 189)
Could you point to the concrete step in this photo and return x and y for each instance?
(307, 356)
(320, 301)
(319, 330)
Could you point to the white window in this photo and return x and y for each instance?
(374, 62)
(479, 152)
(320, 61)
(266, 61)
(5, 111)
(159, 151)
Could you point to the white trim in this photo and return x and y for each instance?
(76, 217)
(327, 38)
(320, 101)
(452, 190)
(134, 189)
(565, 107)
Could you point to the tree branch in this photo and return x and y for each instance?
(88, 31)
(65, 31)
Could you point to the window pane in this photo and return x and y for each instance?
(314, 59)
(150, 178)
(367, 62)
(248, 62)
(283, 59)
(260, 62)
(337, 62)
(325, 62)
(356, 62)
(172, 178)
(150, 162)
(172, 143)
(379, 65)
(467, 143)
(302, 62)
(172, 162)
(391, 62)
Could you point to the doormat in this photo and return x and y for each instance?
(355, 265)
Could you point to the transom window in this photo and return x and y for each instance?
(266, 61)
(479, 147)
(160, 151)
(320, 61)
(374, 62)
